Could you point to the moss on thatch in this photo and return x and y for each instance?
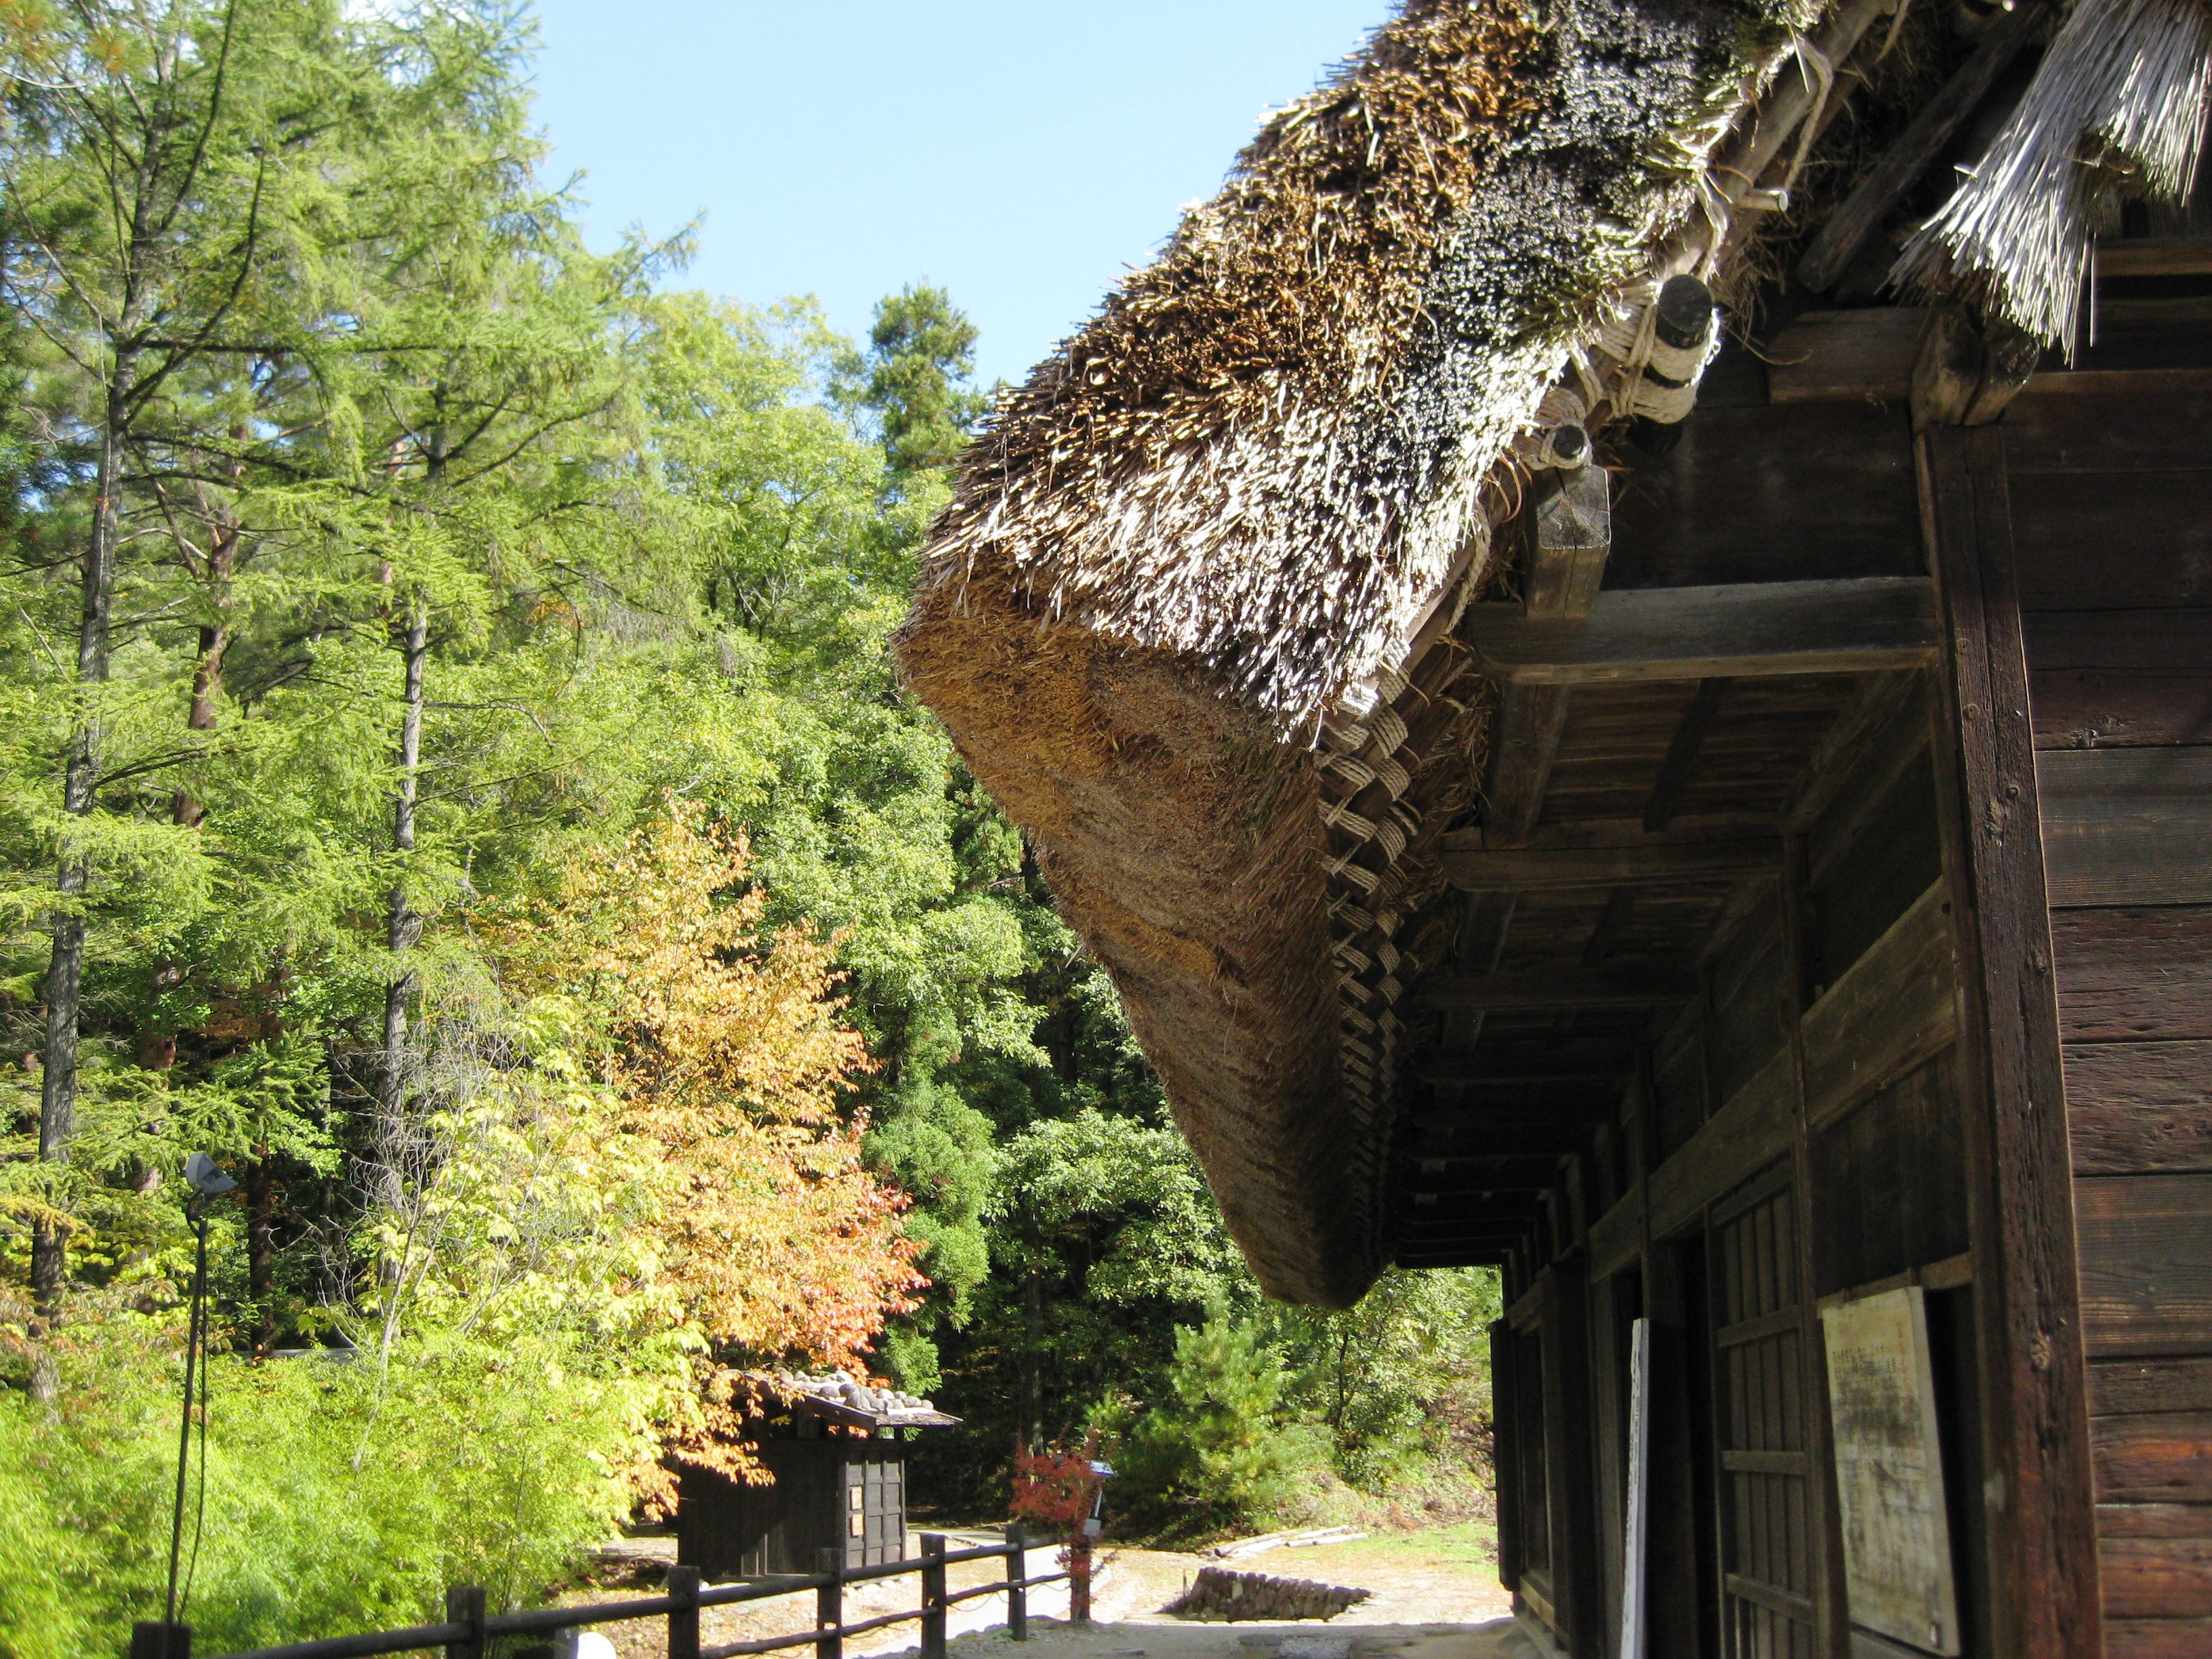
(1209, 525)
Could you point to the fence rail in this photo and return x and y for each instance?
(469, 1629)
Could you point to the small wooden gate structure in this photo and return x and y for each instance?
(839, 1483)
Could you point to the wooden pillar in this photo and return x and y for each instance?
(1505, 1450)
(1830, 1615)
(2039, 1495)
(1571, 1484)
(1680, 1513)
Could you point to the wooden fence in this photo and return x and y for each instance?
(469, 1633)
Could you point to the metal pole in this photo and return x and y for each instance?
(1017, 1595)
(684, 1618)
(154, 1639)
(830, 1604)
(933, 1595)
(184, 1421)
(465, 1605)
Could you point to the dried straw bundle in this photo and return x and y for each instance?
(2120, 101)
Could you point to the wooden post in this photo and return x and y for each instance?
(933, 1595)
(465, 1605)
(829, 1603)
(150, 1638)
(684, 1620)
(1078, 1577)
(1831, 1617)
(1571, 1478)
(2043, 1590)
(1505, 1450)
(1017, 1595)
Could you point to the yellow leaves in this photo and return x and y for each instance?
(722, 1043)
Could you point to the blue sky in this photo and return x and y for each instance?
(1022, 153)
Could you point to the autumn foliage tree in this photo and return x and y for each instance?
(721, 1042)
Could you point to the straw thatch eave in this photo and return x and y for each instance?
(1188, 617)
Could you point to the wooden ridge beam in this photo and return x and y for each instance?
(1739, 630)
(1543, 989)
(1522, 869)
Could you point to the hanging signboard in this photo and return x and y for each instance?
(1889, 1471)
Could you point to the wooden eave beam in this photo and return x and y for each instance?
(1489, 1222)
(1540, 990)
(1432, 1167)
(1492, 1142)
(1462, 1075)
(1472, 1190)
(1526, 1116)
(1736, 631)
(1523, 870)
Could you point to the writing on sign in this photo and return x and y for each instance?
(1889, 1471)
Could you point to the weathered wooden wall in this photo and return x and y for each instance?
(2113, 508)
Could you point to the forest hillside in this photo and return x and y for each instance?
(450, 774)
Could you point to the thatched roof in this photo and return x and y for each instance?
(1189, 617)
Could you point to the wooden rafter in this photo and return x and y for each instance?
(1492, 993)
(1488, 870)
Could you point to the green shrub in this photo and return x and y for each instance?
(328, 1508)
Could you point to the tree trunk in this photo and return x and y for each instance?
(403, 925)
(214, 643)
(65, 974)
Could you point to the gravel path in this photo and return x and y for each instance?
(1434, 1598)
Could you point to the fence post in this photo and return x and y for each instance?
(684, 1621)
(1078, 1577)
(933, 1595)
(465, 1605)
(830, 1604)
(152, 1640)
(1017, 1595)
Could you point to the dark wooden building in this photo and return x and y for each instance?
(1710, 811)
(837, 1456)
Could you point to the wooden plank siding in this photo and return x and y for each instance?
(2116, 583)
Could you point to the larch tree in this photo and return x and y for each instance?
(164, 173)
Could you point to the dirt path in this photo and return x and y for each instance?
(1436, 1597)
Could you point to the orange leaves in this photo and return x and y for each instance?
(725, 1046)
(1055, 1488)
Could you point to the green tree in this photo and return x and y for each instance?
(161, 192)
(915, 379)
(1219, 1448)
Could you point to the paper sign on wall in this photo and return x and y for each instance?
(1889, 1471)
